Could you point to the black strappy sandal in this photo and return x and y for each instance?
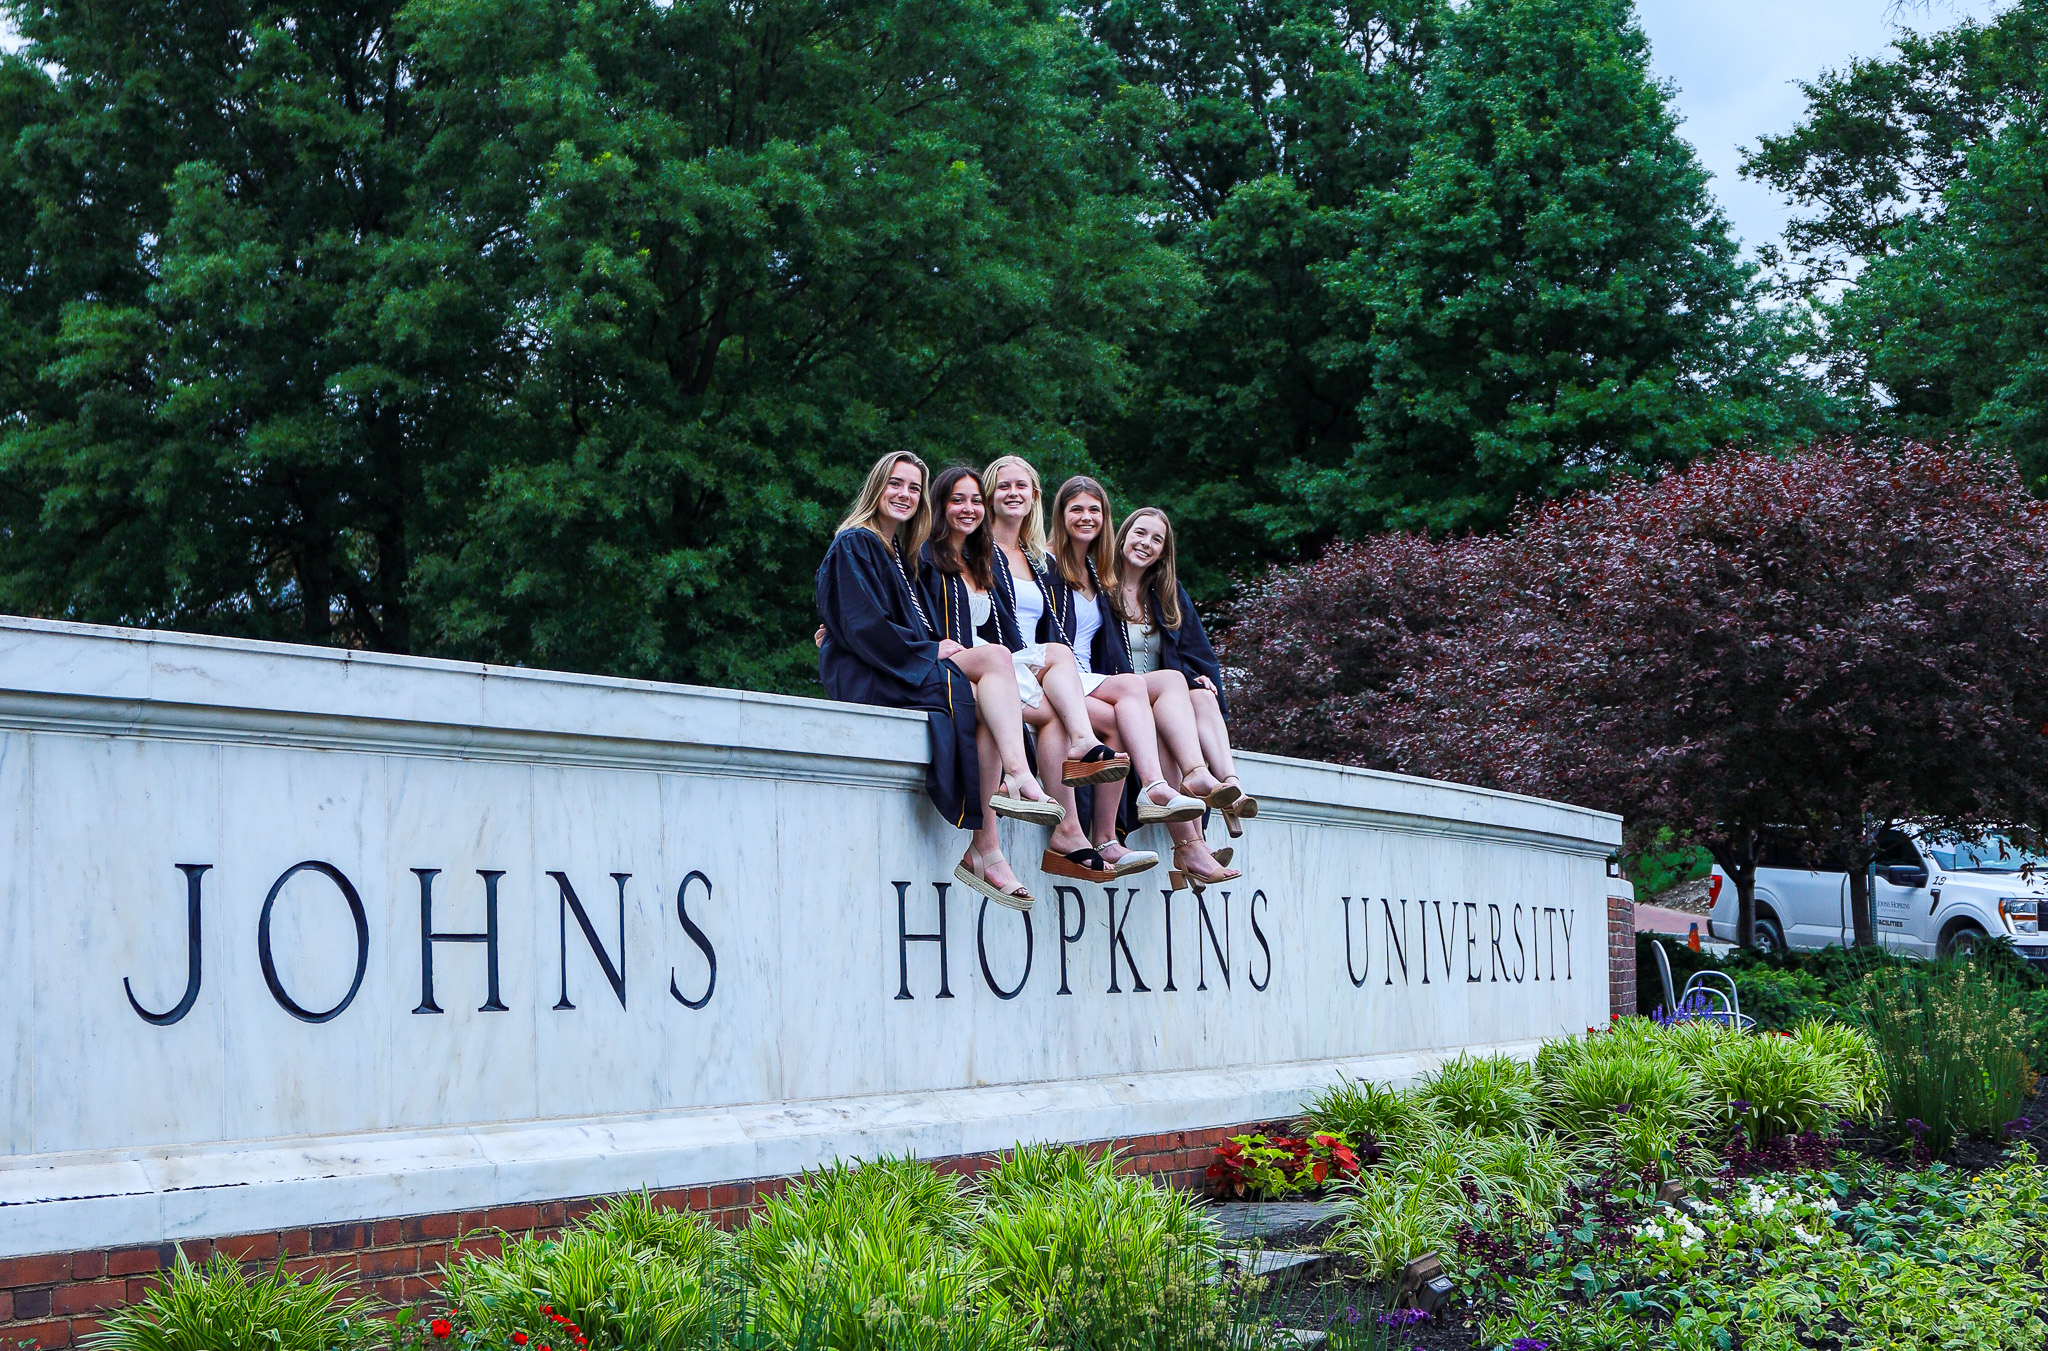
(1085, 865)
(1101, 765)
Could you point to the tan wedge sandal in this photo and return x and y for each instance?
(972, 871)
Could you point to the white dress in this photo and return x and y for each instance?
(1087, 623)
(1030, 661)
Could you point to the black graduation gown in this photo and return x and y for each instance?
(1106, 654)
(879, 648)
(950, 604)
(1186, 649)
(1005, 607)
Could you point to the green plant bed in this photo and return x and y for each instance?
(1780, 990)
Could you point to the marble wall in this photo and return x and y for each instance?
(709, 953)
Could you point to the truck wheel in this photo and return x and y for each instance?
(1769, 937)
(1961, 940)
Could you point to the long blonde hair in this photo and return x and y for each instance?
(1075, 568)
(867, 508)
(1031, 534)
(1161, 577)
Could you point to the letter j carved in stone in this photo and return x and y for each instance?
(193, 872)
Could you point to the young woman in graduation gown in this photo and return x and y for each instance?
(1163, 632)
(880, 647)
(1088, 564)
(1153, 719)
(956, 573)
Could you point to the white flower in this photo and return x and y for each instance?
(1799, 1232)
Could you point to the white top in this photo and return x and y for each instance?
(1145, 642)
(1087, 620)
(979, 603)
(1030, 607)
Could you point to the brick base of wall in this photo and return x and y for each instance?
(56, 1299)
(1621, 956)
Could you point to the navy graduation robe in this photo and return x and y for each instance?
(950, 604)
(1186, 649)
(1106, 655)
(880, 649)
(1004, 611)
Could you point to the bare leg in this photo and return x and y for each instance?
(1191, 846)
(1001, 710)
(1129, 705)
(987, 841)
(1215, 736)
(1061, 681)
(1067, 836)
(1175, 715)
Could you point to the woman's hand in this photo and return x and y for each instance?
(949, 648)
(819, 636)
(1206, 683)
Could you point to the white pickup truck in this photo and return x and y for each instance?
(1931, 895)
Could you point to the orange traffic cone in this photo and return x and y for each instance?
(1692, 938)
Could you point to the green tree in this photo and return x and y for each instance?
(201, 427)
(1550, 294)
(1926, 174)
(1269, 122)
(540, 333)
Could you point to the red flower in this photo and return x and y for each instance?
(547, 1308)
(441, 1327)
(518, 1339)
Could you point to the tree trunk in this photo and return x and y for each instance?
(1744, 879)
(1861, 917)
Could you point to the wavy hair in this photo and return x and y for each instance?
(1031, 535)
(971, 555)
(867, 508)
(1162, 578)
(1071, 560)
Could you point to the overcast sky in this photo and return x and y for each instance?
(1737, 64)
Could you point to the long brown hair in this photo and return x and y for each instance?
(972, 554)
(1071, 562)
(1162, 577)
(867, 508)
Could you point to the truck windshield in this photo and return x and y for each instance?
(1986, 854)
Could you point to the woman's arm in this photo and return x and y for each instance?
(855, 599)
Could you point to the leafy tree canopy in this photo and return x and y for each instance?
(538, 333)
(1828, 640)
(1923, 173)
(1549, 295)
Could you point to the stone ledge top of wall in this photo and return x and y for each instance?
(99, 679)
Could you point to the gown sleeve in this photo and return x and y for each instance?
(1196, 652)
(854, 600)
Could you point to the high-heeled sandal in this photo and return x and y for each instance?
(1224, 855)
(1180, 807)
(1101, 765)
(972, 871)
(1226, 792)
(1181, 875)
(1041, 811)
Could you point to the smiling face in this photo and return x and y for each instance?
(964, 509)
(1083, 518)
(904, 493)
(1144, 540)
(1013, 493)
